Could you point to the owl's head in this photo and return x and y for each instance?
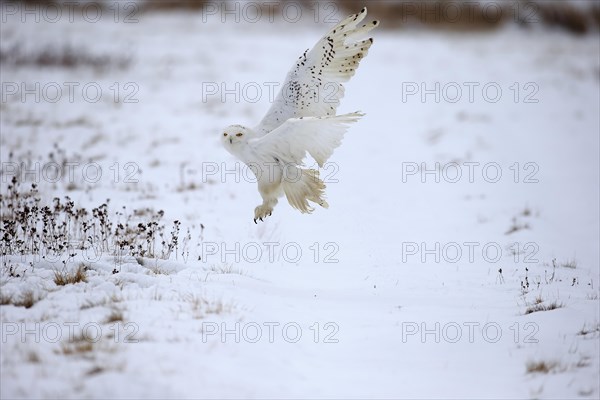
(234, 135)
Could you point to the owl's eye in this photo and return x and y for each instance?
(224, 134)
(239, 134)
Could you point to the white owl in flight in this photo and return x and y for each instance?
(303, 119)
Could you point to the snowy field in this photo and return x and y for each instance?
(459, 257)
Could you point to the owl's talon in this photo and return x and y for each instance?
(263, 211)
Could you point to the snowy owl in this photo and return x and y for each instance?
(303, 119)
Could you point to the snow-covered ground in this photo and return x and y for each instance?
(394, 291)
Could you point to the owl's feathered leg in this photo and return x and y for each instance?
(303, 185)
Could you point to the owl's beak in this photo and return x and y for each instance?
(230, 140)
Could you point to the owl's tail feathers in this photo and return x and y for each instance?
(301, 186)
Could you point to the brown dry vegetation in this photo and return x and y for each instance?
(452, 15)
(62, 278)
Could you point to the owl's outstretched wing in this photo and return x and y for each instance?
(319, 136)
(313, 87)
